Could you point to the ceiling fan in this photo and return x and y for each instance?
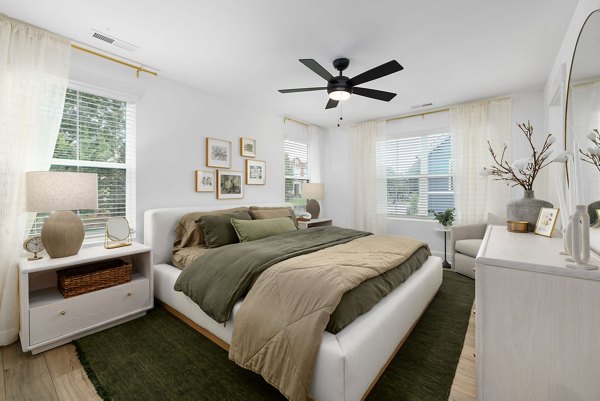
(340, 88)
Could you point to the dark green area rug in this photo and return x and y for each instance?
(158, 357)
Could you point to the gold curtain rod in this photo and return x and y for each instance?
(417, 115)
(137, 68)
(296, 121)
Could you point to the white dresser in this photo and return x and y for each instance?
(538, 321)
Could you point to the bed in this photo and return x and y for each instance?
(348, 363)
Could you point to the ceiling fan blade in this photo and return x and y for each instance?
(375, 73)
(331, 104)
(302, 90)
(317, 68)
(374, 94)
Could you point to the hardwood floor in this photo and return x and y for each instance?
(463, 387)
(57, 375)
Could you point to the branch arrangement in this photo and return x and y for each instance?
(592, 156)
(522, 171)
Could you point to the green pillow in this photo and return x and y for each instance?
(218, 230)
(257, 229)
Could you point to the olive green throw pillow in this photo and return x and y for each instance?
(257, 229)
(218, 230)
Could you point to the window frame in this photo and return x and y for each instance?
(421, 177)
(129, 165)
(299, 204)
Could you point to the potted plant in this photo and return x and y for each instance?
(522, 172)
(445, 218)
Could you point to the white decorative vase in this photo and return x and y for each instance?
(580, 241)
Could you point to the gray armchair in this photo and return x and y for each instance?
(466, 240)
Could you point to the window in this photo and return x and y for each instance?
(419, 174)
(296, 172)
(97, 135)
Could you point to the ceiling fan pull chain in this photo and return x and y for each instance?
(341, 111)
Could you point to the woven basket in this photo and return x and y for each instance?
(92, 277)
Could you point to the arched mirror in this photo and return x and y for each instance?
(117, 233)
(583, 114)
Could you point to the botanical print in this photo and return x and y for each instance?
(546, 221)
(255, 172)
(205, 181)
(230, 185)
(248, 147)
(218, 153)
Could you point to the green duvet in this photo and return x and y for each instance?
(219, 278)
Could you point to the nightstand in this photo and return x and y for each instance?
(315, 223)
(49, 320)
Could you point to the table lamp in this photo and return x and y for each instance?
(60, 193)
(312, 192)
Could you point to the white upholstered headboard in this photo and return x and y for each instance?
(159, 226)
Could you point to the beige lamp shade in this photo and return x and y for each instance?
(312, 191)
(53, 190)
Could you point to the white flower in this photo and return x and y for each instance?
(520, 164)
(562, 157)
(597, 151)
(592, 150)
(485, 172)
(551, 140)
(592, 135)
(505, 145)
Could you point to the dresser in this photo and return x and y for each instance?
(538, 321)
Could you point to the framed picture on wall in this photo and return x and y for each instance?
(248, 147)
(546, 221)
(230, 184)
(256, 172)
(205, 181)
(218, 153)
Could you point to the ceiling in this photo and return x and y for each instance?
(452, 51)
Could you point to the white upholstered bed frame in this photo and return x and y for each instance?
(349, 362)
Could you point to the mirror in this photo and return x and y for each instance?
(117, 233)
(583, 113)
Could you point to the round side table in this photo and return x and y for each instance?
(445, 230)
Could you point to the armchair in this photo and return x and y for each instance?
(466, 240)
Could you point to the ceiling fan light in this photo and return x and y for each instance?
(339, 95)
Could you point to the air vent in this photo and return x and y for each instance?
(103, 37)
(113, 41)
(419, 106)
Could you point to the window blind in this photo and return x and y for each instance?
(97, 135)
(419, 174)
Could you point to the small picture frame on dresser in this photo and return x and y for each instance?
(546, 221)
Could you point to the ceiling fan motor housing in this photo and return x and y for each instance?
(339, 84)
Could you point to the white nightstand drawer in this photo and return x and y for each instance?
(83, 311)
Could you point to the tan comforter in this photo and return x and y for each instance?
(278, 329)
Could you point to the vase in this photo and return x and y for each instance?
(526, 209)
(581, 238)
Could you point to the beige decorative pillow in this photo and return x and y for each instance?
(189, 233)
(260, 213)
(184, 256)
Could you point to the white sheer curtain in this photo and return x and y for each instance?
(472, 125)
(367, 199)
(584, 116)
(314, 153)
(34, 69)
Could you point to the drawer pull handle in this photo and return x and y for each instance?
(129, 294)
(62, 312)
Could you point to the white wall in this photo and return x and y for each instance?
(173, 121)
(526, 105)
